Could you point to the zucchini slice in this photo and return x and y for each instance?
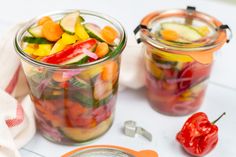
(75, 59)
(94, 31)
(34, 40)
(36, 31)
(80, 83)
(68, 22)
(81, 19)
(185, 31)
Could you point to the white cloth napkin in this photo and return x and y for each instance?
(17, 124)
(132, 66)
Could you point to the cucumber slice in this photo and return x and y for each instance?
(35, 40)
(80, 83)
(161, 60)
(86, 101)
(92, 72)
(94, 31)
(81, 19)
(68, 22)
(36, 31)
(185, 31)
(198, 87)
(75, 59)
(82, 61)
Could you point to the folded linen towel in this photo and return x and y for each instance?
(17, 124)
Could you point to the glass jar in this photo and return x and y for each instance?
(73, 103)
(177, 71)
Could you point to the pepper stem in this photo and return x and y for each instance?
(215, 121)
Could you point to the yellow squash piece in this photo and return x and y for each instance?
(58, 46)
(29, 49)
(203, 30)
(68, 39)
(43, 50)
(153, 68)
(84, 134)
(172, 56)
(91, 72)
(81, 32)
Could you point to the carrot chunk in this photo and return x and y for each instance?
(52, 31)
(44, 19)
(109, 34)
(169, 35)
(110, 71)
(102, 49)
(58, 77)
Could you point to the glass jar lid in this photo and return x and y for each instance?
(183, 30)
(101, 152)
(109, 151)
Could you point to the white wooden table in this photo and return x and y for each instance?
(132, 105)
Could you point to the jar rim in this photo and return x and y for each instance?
(150, 18)
(116, 52)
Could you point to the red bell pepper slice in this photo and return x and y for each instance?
(69, 52)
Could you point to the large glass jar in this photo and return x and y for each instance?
(74, 103)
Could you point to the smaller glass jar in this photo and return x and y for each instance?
(179, 48)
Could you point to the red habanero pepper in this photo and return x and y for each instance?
(70, 52)
(198, 136)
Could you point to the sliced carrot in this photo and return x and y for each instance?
(54, 119)
(102, 49)
(58, 77)
(39, 107)
(170, 35)
(109, 34)
(44, 20)
(50, 107)
(52, 31)
(76, 110)
(110, 71)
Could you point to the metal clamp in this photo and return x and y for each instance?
(189, 17)
(130, 129)
(137, 29)
(191, 9)
(226, 27)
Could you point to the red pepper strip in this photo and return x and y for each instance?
(69, 52)
(198, 136)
